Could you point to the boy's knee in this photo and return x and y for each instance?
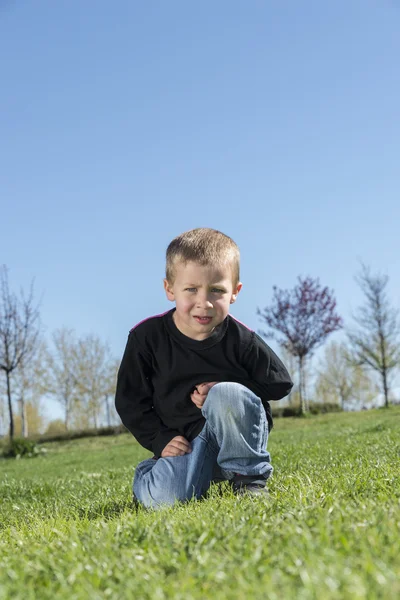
(158, 494)
(153, 497)
(226, 387)
(157, 501)
(225, 396)
(225, 391)
(230, 399)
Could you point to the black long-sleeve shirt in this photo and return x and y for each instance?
(161, 366)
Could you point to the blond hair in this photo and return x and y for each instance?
(204, 246)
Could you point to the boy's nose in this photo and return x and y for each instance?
(204, 301)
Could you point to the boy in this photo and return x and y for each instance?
(194, 383)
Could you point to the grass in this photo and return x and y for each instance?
(330, 528)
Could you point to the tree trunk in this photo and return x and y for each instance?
(301, 389)
(304, 393)
(385, 388)
(384, 369)
(24, 420)
(95, 417)
(10, 406)
(108, 410)
(290, 398)
(67, 415)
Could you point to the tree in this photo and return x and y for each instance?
(303, 318)
(289, 361)
(339, 378)
(34, 418)
(375, 339)
(110, 383)
(19, 333)
(365, 390)
(61, 364)
(336, 372)
(30, 383)
(81, 376)
(93, 375)
(3, 407)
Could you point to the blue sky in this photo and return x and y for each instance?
(123, 124)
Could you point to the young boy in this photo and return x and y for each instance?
(194, 383)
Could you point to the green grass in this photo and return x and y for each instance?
(330, 528)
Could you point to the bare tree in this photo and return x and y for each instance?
(335, 372)
(30, 384)
(3, 406)
(81, 375)
(92, 370)
(304, 317)
(61, 365)
(290, 363)
(365, 389)
(110, 383)
(338, 377)
(375, 340)
(19, 333)
(34, 417)
(22, 398)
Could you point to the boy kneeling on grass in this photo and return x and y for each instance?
(194, 383)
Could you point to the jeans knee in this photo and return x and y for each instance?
(225, 390)
(153, 497)
(158, 492)
(169, 497)
(226, 396)
(160, 498)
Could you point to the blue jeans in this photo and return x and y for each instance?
(233, 440)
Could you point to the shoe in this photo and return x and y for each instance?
(249, 484)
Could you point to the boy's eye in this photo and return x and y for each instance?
(214, 290)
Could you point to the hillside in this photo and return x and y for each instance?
(330, 528)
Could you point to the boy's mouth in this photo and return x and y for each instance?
(203, 320)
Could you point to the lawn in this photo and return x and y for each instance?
(330, 528)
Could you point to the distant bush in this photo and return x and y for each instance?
(324, 407)
(55, 426)
(73, 435)
(21, 447)
(286, 411)
(315, 409)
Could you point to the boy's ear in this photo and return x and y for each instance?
(236, 292)
(168, 290)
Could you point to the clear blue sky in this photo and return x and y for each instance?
(124, 123)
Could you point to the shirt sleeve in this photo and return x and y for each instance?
(270, 378)
(134, 400)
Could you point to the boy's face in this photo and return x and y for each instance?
(202, 295)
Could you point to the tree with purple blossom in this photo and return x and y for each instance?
(300, 320)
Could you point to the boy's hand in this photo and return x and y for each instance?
(199, 395)
(178, 446)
